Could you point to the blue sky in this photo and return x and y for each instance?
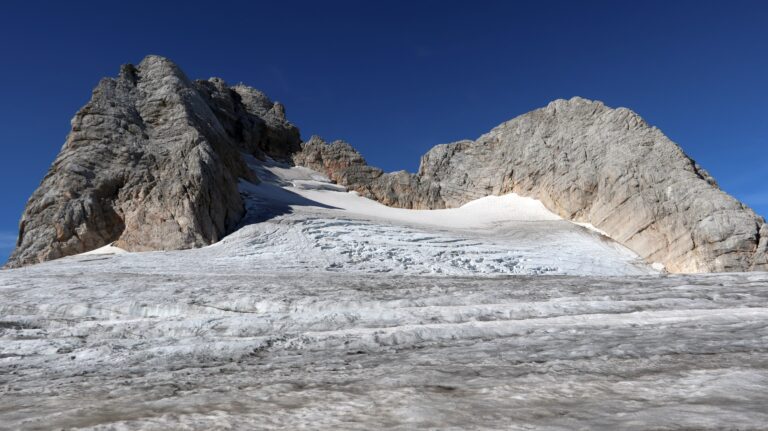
(395, 78)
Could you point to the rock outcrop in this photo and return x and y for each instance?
(344, 165)
(152, 163)
(587, 163)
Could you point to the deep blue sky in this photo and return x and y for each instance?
(397, 77)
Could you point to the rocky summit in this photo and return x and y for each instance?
(587, 163)
(152, 163)
(154, 160)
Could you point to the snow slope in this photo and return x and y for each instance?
(299, 219)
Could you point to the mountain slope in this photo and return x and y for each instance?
(587, 163)
(300, 221)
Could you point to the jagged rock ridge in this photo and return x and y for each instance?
(152, 163)
(344, 165)
(154, 159)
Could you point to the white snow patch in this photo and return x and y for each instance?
(591, 227)
(479, 213)
(107, 249)
(318, 188)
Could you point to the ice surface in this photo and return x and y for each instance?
(100, 344)
(330, 311)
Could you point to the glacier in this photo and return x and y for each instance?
(300, 219)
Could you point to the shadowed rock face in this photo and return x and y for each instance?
(585, 162)
(152, 163)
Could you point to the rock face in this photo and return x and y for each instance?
(152, 163)
(154, 160)
(344, 165)
(588, 163)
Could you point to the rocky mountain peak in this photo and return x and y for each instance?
(588, 163)
(153, 162)
(154, 67)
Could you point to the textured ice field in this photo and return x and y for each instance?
(121, 348)
(330, 311)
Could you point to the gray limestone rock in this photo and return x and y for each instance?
(344, 165)
(587, 163)
(152, 163)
